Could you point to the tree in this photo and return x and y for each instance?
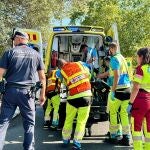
(30, 14)
(134, 26)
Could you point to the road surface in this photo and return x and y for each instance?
(51, 140)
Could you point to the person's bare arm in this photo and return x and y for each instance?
(2, 72)
(42, 78)
(135, 90)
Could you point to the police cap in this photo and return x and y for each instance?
(20, 34)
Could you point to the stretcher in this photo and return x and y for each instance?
(98, 111)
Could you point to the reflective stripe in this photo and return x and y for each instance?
(64, 74)
(74, 75)
(78, 73)
(78, 135)
(66, 134)
(113, 129)
(126, 129)
(147, 139)
(83, 87)
(78, 83)
(137, 138)
(66, 131)
(138, 76)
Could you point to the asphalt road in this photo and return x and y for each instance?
(51, 140)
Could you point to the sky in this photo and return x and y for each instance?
(65, 22)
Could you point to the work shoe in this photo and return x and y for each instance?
(46, 124)
(65, 143)
(125, 141)
(76, 145)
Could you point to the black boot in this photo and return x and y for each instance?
(111, 140)
(125, 141)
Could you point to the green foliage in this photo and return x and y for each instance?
(134, 26)
(35, 14)
(131, 16)
(30, 14)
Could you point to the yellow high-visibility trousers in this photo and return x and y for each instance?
(113, 109)
(138, 136)
(82, 116)
(53, 103)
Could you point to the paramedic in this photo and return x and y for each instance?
(77, 79)
(140, 101)
(52, 93)
(118, 96)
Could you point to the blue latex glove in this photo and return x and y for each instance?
(112, 96)
(129, 108)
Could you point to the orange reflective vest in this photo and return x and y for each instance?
(51, 82)
(76, 78)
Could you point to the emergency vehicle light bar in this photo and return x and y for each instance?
(78, 28)
(58, 28)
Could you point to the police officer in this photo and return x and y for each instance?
(77, 79)
(139, 104)
(20, 66)
(118, 96)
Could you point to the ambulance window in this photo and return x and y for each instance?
(64, 47)
(54, 53)
(63, 44)
(55, 44)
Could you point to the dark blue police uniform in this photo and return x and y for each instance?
(22, 64)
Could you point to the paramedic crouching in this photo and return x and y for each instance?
(77, 78)
(20, 66)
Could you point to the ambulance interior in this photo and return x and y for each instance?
(68, 46)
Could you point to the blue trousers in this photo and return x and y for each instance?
(12, 98)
